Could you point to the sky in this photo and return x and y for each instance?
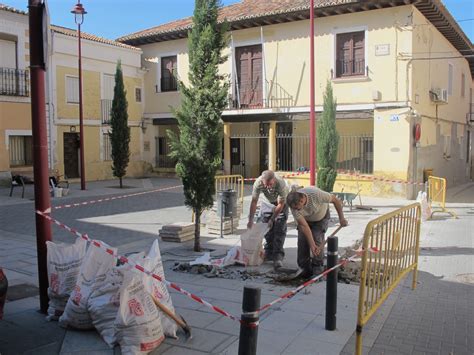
(114, 18)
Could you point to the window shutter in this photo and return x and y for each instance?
(72, 90)
(7, 54)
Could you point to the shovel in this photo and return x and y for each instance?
(180, 321)
(295, 275)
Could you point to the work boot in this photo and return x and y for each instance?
(267, 257)
(277, 264)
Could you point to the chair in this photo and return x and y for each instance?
(16, 181)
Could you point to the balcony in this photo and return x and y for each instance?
(106, 108)
(348, 68)
(14, 82)
(251, 96)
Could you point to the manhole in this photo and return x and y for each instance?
(20, 291)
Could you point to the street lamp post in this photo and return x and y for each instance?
(79, 13)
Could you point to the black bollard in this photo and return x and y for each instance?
(331, 285)
(249, 327)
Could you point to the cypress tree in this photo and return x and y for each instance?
(120, 132)
(197, 149)
(328, 142)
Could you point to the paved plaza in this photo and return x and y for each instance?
(436, 318)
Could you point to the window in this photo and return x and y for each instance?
(450, 79)
(168, 73)
(8, 54)
(21, 150)
(107, 147)
(350, 54)
(138, 94)
(463, 85)
(72, 89)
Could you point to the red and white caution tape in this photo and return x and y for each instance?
(376, 178)
(115, 197)
(316, 278)
(283, 176)
(124, 259)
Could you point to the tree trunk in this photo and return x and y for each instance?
(197, 230)
(120, 178)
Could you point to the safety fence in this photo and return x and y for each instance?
(231, 182)
(437, 196)
(396, 236)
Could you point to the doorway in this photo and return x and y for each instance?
(71, 155)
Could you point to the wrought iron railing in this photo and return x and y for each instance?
(350, 67)
(106, 109)
(14, 82)
(250, 95)
(169, 84)
(163, 160)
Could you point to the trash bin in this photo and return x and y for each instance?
(226, 203)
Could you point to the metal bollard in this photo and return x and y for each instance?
(331, 284)
(248, 334)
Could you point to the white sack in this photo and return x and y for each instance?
(138, 321)
(252, 246)
(95, 266)
(64, 263)
(158, 289)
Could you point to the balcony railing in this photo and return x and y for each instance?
(251, 96)
(14, 82)
(169, 84)
(106, 108)
(350, 68)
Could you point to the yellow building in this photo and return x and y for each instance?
(392, 64)
(99, 60)
(16, 152)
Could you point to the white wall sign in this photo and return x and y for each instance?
(382, 49)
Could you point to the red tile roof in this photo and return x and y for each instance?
(90, 37)
(12, 9)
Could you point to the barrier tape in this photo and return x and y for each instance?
(124, 259)
(316, 278)
(114, 198)
(350, 173)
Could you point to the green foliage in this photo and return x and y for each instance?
(120, 132)
(327, 142)
(197, 149)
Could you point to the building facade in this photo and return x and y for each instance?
(393, 65)
(99, 60)
(15, 104)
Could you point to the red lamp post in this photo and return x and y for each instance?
(79, 13)
(312, 130)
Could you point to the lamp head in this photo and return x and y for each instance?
(79, 13)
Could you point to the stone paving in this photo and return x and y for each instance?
(435, 318)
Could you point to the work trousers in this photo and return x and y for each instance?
(304, 259)
(275, 238)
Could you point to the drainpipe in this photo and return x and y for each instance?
(40, 144)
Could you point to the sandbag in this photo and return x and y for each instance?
(64, 262)
(251, 242)
(104, 302)
(138, 323)
(97, 263)
(158, 289)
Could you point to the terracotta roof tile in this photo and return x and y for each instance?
(12, 9)
(247, 9)
(88, 36)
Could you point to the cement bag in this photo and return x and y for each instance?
(64, 263)
(138, 322)
(96, 265)
(425, 206)
(158, 289)
(104, 302)
(252, 246)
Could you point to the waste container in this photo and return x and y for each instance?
(226, 203)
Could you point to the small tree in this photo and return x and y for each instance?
(120, 135)
(328, 142)
(197, 149)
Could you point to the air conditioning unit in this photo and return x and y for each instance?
(439, 95)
